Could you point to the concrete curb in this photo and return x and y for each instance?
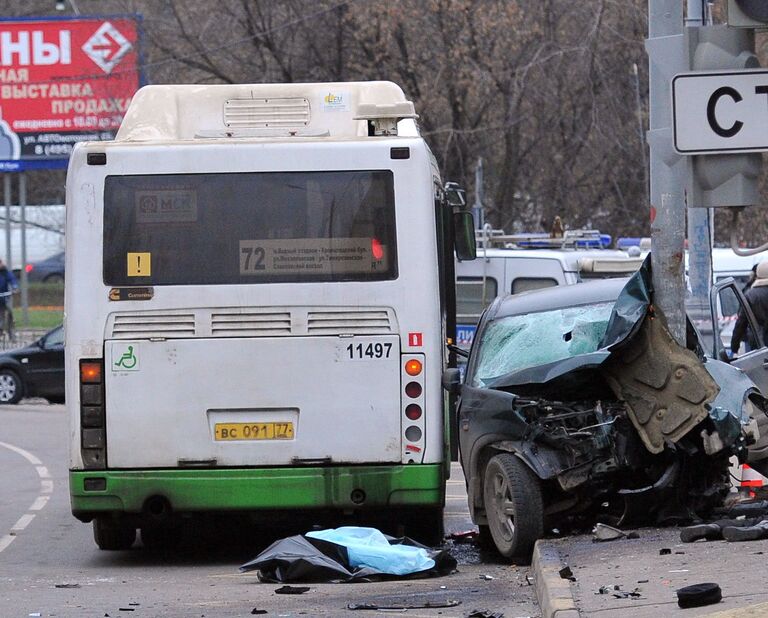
(552, 591)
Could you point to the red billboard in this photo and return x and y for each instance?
(63, 81)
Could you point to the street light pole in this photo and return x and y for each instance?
(667, 57)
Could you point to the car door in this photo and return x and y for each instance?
(726, 303)
(44, 366)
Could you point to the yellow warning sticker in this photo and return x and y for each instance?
(139, 264)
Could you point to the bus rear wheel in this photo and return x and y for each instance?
(112, 536)
(426, 526)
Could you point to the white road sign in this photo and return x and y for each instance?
(720, 112)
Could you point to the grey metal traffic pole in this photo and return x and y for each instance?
(667, 57)
(24, 281)
(7, 192)
(699, 222)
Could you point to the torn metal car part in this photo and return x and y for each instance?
(404, 606)
(604, 532)
(666, 387)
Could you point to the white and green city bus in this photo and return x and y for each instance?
(257, 309)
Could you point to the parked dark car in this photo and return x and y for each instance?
(49, 270)
(578, 406)
(36, 370)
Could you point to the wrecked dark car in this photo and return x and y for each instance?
(578, 406)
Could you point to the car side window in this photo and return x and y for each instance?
(54, 338)
(473, 294)
(526, 284)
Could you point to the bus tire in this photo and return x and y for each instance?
(426, 526)
(514, 507)
(112, 536)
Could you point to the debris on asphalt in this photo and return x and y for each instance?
(665, 551)
(348, 554)
(617, 592)
(566, 573)
(642, 581)
(699, 595)
(465, 536)
(66, 585)
(292, 590)
(487, 577)
(484, 613)
(604, 532)
(403, 606)
(257, 611)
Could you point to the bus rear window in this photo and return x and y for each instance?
(265, 227)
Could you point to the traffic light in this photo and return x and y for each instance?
(724, 179)
(748, 13)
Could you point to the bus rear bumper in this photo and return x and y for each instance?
(95, 493)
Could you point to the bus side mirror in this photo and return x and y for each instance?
(452, 381)
(464, 235)
(455, 195)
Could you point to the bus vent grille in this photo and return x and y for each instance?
(342, 322)
(254, 324)
(158, 325)
(266, 113)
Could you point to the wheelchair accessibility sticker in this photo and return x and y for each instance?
(125, 357)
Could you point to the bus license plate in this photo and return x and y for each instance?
(253, 431)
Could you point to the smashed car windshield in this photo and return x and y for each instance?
(521, 341)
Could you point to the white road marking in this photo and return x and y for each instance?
(23, 522)
(5, 541)
(46, 487)
(39, 503)
(25, 454)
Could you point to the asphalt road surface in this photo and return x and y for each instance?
(50, 566)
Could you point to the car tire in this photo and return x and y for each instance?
(11, 387)
(112, 536)
(514, 507)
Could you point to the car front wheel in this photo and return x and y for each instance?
(514, 507)
(11, 388)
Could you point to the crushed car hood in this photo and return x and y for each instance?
(668, 388)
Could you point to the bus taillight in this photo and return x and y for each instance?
(413, 390)
(93, 438)
(90, 372)
(412, 405)
(413, 412)
(413, 366)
